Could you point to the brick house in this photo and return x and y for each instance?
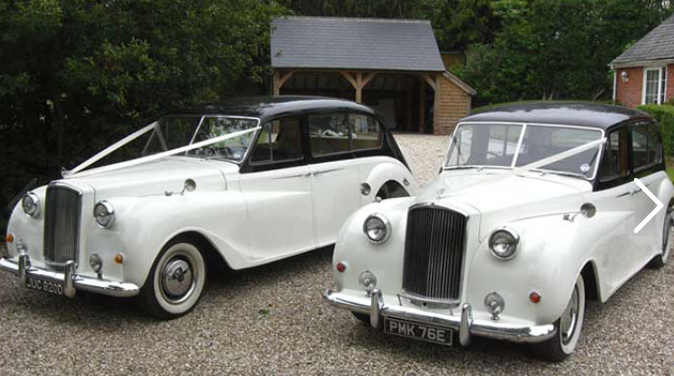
(641, 74)
(391, 65)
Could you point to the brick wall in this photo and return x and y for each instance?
(629, 93)
(453, 104)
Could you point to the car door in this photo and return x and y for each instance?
(276, 184)
(614, 199)
(646, 153)
(334, 174)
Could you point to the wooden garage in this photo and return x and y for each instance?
(393, 66)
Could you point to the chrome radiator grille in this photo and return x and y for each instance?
(434, 252)
(62, 224)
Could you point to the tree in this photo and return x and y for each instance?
(557, 49)
(76, 75)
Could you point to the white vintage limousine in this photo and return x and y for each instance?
(248, 182)
(536, 209)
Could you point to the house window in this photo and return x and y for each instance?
(655, 82)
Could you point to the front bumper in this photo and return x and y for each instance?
(69, 279)
(466, 326)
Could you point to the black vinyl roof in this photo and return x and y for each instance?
(354, 43)
(265, 107)
(579, 114)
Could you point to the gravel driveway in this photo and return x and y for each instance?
(271, 320)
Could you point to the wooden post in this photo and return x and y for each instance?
(279, 80)
(358, 82)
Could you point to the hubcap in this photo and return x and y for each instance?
(178, 280)
(569, 318)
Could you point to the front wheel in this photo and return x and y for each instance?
(175, 282)
(568, 328)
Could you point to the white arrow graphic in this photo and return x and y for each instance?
(655, 211)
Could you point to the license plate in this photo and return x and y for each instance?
(46, 286)
(419, 331)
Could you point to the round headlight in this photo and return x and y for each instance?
(31, 204)
(503, 243)
(104, 214)
(377, 228)
(368, 280)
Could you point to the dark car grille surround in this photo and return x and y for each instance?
(434, 253)
(62, 224)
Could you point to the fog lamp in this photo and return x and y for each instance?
(104, 214)
(31, 204)
(503, 243)
(495, 304)
(377, 228)
(96, 263)
(368, 280)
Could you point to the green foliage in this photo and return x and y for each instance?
(557, 49)
(76, 75)
(664, 115)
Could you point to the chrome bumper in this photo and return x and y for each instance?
(466, 326)
(71, 282)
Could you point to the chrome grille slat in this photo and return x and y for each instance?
(62, 224)
(434, 253)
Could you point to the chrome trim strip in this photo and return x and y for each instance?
(465, 324)
(70, 280)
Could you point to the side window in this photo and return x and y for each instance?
(365, 132)
(328, 134)
(615, 163)
(646, 149)
(279, 141)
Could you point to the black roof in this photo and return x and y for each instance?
(656, 45)
(580, 114)
(265, 107)
(354, 43)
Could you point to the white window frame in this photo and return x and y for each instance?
(662, 87)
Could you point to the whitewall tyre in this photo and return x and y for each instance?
(175, 282)
(569, 327)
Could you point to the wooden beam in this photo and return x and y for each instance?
(350, 78)
(367, 79)
(280, 80)
(429, 80)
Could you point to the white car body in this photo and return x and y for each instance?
(557, 242)
(248, 217)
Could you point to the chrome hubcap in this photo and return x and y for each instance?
(569, 318)
(178, 280)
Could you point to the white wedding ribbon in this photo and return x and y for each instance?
(74, 173)
(532, 166)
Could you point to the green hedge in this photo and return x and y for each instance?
(664, 114)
